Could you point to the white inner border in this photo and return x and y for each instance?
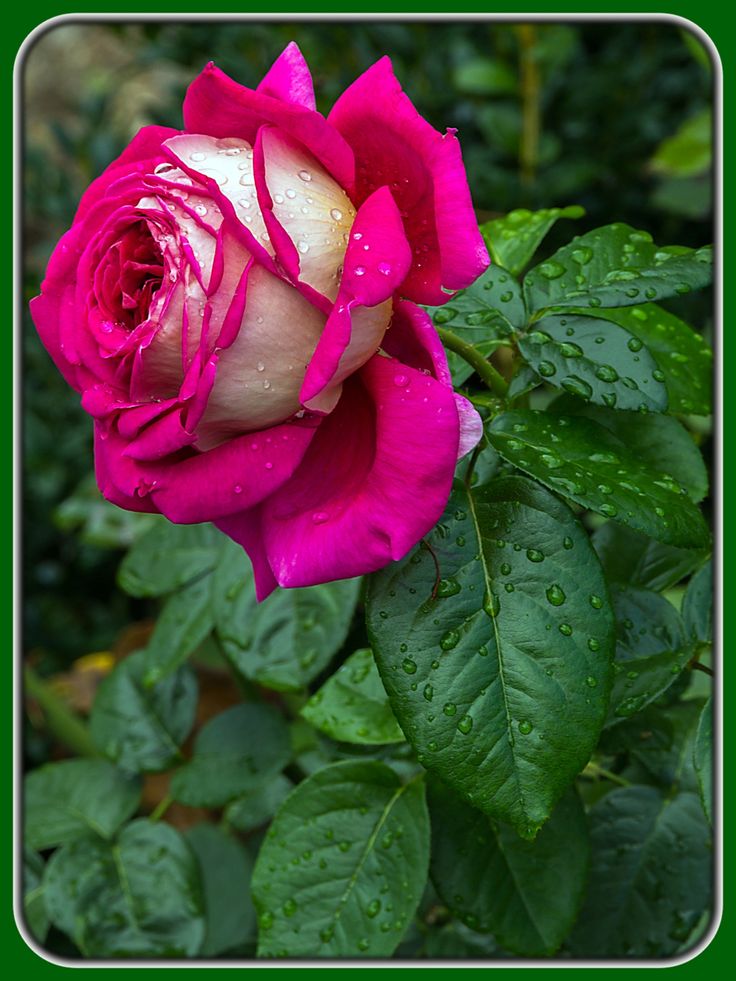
(716, 490)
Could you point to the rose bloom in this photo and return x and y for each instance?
(233, 303)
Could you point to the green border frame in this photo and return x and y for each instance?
(711, 18)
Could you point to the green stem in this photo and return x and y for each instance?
(530, 86)
(594, 770)
(64, 724)
(484, 369)
(161, 808)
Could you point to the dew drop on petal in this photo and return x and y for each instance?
(304, 175)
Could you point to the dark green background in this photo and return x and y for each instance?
(622, 89)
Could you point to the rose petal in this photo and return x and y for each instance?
(414, 340)
(376, 263)
(309, 206)
(471, 426)
(246, 529)
(394, 145)
(289, 78)
(374, 480)
(218, 106)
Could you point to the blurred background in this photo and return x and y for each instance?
(614, 116)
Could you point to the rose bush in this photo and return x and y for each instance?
(234, 303)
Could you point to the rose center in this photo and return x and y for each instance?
(129, 277)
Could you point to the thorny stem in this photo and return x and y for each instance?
(484, 369)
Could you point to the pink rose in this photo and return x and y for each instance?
(233, 303)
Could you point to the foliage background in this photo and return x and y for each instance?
(547, 114)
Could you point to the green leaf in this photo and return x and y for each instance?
(664, 754)
(98, 522)
(527, 893)
(352, 706)
(616, 266)
(34, 910)
(525, 379)
(455, 941)
(650, 876)
(63, 801)
(660, 442)
(225, 869)
(499, 672)
(344, 865)
(689, 151)
(184, 622)
(484, 76)
(138, 727)
(484, 315)
(233, 753)
(681, 354)
(703, 758)
(651, 650)
(586, 463)
(169, 557)
(628, 556)
(606, 365)
(259, 805)
(513, 239)
(138, 896)
(286, 641)
(697, 606)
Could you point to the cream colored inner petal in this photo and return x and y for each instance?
(260, 375)
(368, 325)
(229, 162)
(313, 209)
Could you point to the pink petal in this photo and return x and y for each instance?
(376, 263)
(394, 145)
(306, 205)
(232, 477)
(375, 479)
(218, 106)
(142, 154)
(471, 426)
(289, 78)
(414, 340)
(245, 529)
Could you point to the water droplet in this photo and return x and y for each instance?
(583, 255)
(491, 604)
(552, 270)
(591, 682)
(289, 907)
(373, 908)
(449, 708)
(555, 595)
(505, 569)
(577, 386)
(401, 381)
(570, 350)
(326, 935)
(363, 944)
(465, 725)
(608, 509)
(197, 156)
(525, 727)
(546, 369)
(593, 644)
(448, 587)
(265, 920)
(336, 214)
(506, 297)
(650, 293)
(565, 629)
(266, 384)
(606, 373)
(359, 270)
(658, 375)
(303, 247)
(319, 517)
(304, 175)
(567, 543)
(552, 461)
(428, 692)
(451, 639)
(409, 666)
(534, 555)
